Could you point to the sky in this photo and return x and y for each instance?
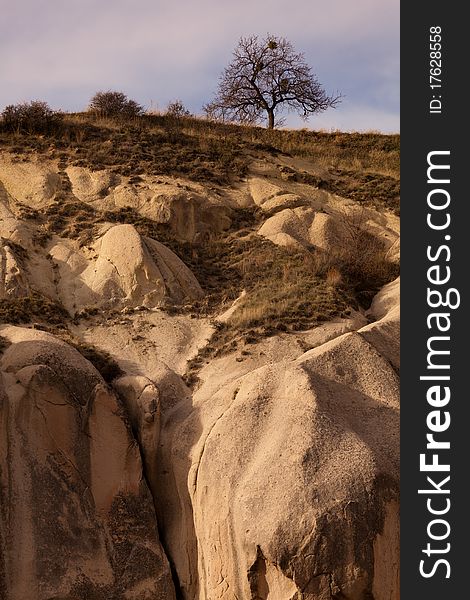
(155, 51)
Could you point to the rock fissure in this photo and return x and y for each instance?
(201, 455)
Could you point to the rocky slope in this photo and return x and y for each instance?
(236, 436)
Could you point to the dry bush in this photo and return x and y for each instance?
(360, 262)
(30, 117)
(177, 109)
(333, 277)
(114, 105)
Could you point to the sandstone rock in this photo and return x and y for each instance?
(261, 190)
(290, 227)
(387, 301)
(328, 233)
(13, 282)
(77, 518)
(293, 478)
(275, 479)
(89, 186)
(283, 201)
(33, 183)
(127, 271)
(189, 213)
(393, 253)
(11, 227)
(190, 217)
(141, 399)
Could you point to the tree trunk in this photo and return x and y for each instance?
(270, 118)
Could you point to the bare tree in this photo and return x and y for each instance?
(264, 77)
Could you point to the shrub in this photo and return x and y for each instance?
(114, 104)
(30, 117)
(177, 109)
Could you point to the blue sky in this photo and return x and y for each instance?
(63, 51)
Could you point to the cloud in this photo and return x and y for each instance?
(155, 50)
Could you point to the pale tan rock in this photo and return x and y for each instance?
(261, 190)
(149, 339)
(290, 227)
(33, 182)
(292, 475)
(387, 300)
(125, 270)
(13, 282)
(328, 233)
(190, 217)
(276, 478)
(11, 227)
(141, 399)
(190, 211)
(77, 517)
(88, 186)
(304, 227)
(284, 201)
(393, 253)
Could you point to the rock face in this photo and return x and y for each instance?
(33, 183)
(77, 518)
(12, 280)
(289, 227)
(275, 478)
(190, 212)
(122, 269)
(127, 270)
(292, 484)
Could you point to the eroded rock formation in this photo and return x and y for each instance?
(77, 517)
(274, 478)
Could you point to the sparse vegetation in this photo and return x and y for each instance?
(199, 149)
(370, 188)
(34, 307)
(101, 360)
(286, 289)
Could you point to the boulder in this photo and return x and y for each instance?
(77, 519)
(291, 475)
(13, 281)
(126, 270)
(290, 227)
(33, 183)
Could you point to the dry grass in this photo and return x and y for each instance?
(200, 149)
(32, 308)
(286, 290)
(151, 145)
